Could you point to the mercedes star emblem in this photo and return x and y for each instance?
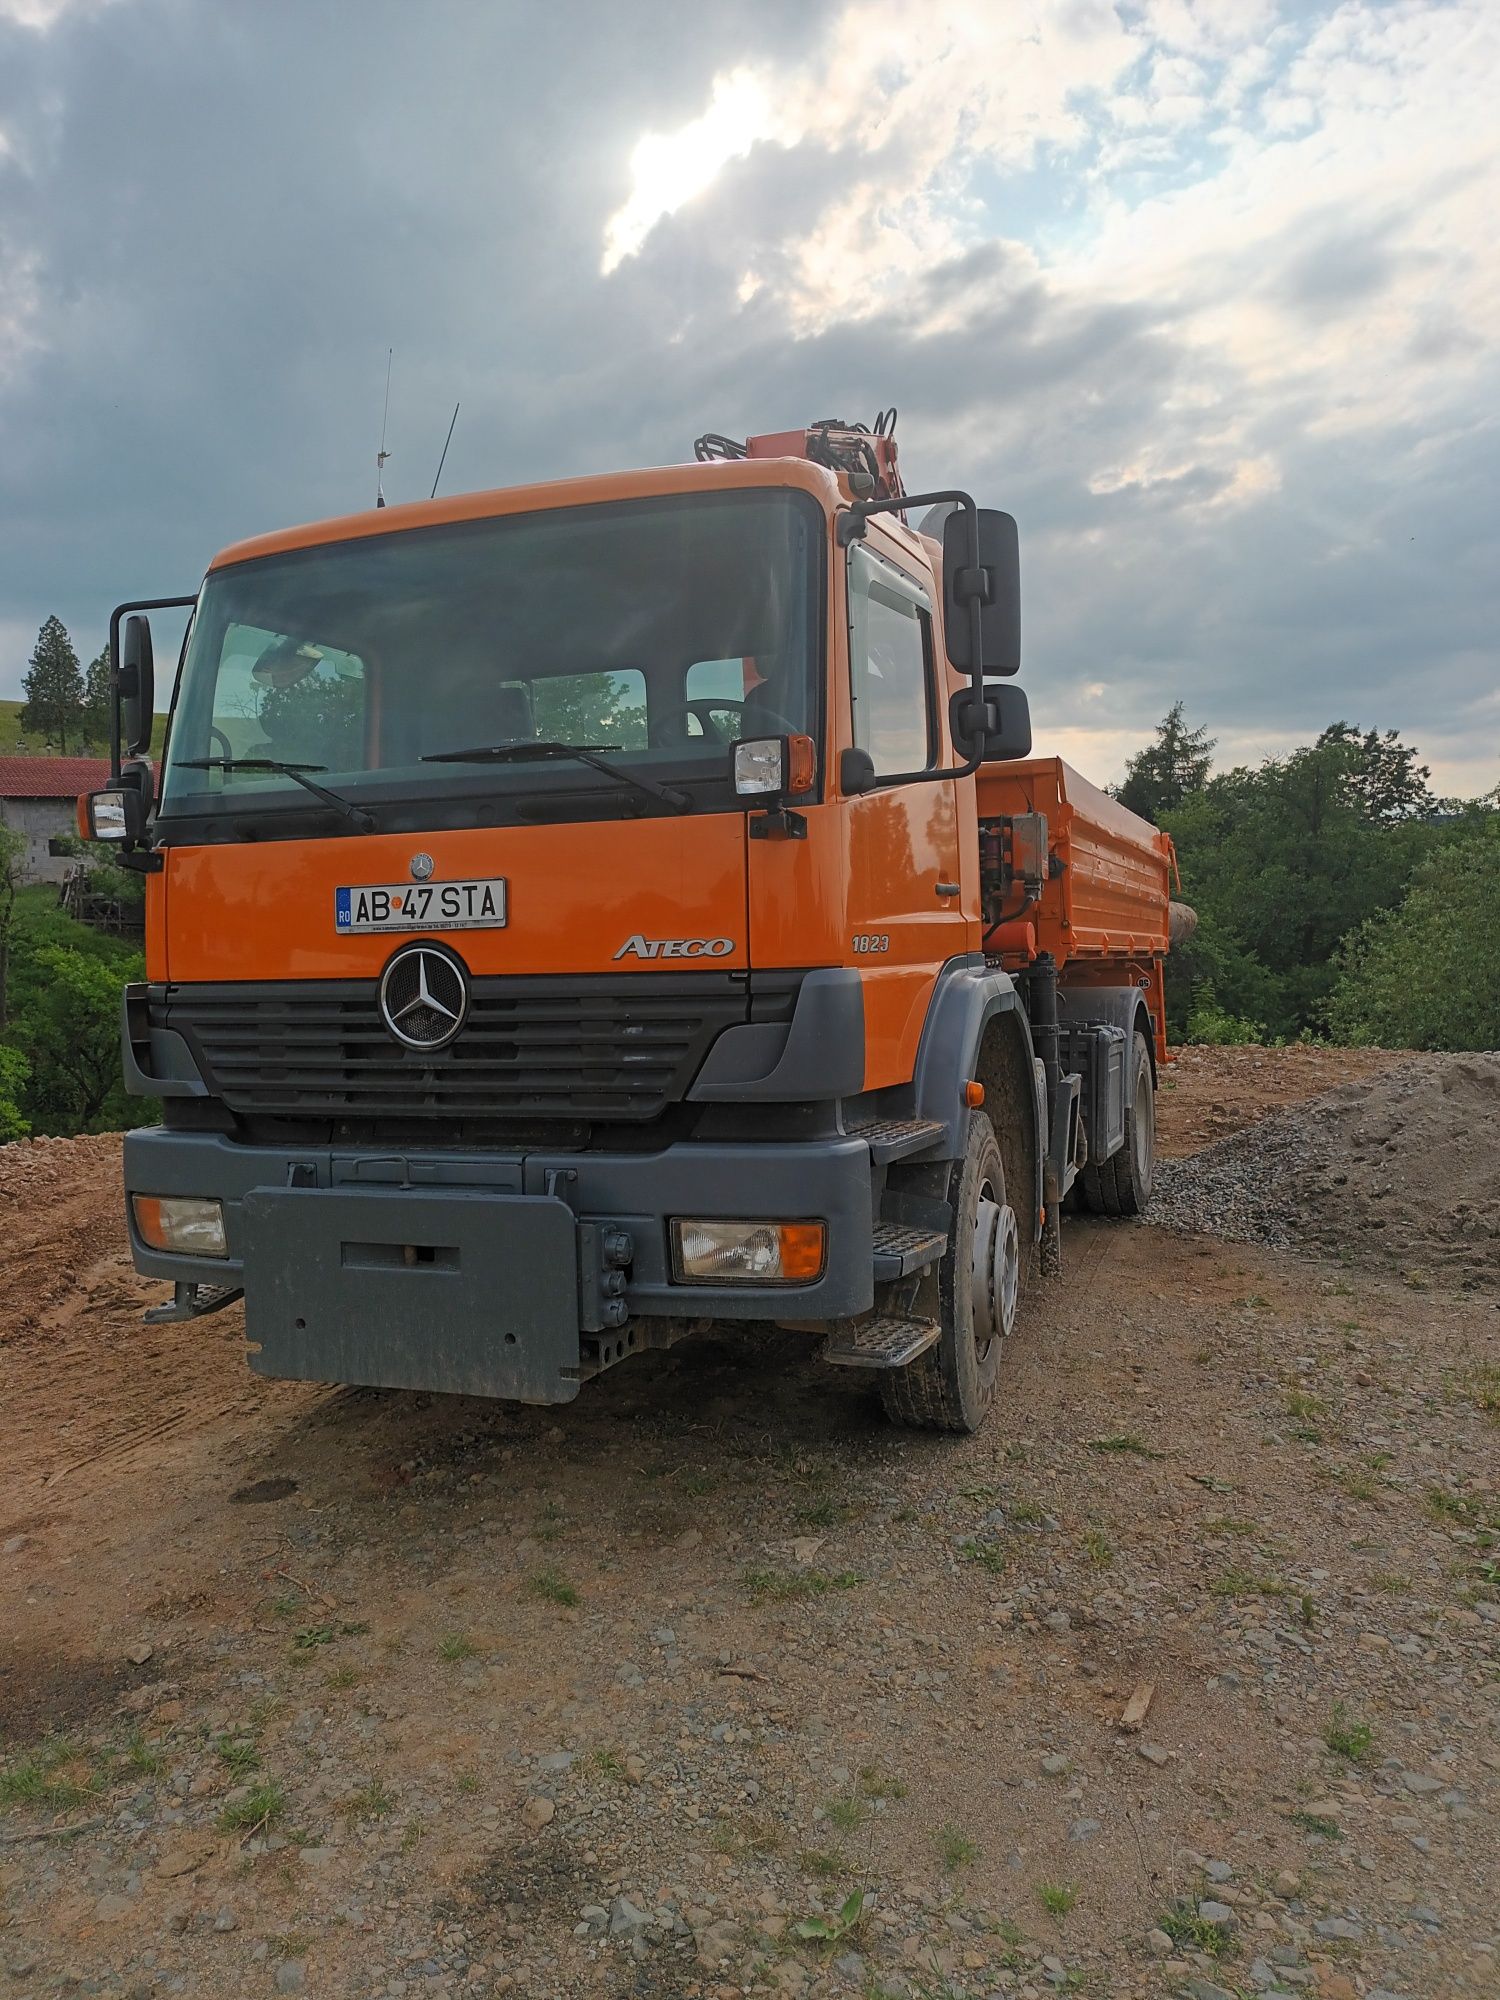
(421, 867)
(424, 997)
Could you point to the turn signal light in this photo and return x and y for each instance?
(185, 1225)
(711, 1252)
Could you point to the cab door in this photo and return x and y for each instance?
(905, 901)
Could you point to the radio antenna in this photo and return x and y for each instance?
(382, 455)
(444, 459)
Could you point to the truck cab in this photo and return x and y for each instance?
(566, 926)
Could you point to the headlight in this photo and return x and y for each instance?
(748, 1253)
(768, 766)
(183, 1224)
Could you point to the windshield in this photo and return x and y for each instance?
(657, 632)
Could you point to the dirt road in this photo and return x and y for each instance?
(306, 1690)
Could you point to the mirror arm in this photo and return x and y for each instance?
(121, 611)
(851, 528)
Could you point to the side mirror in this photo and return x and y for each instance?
(996, 729)
(117, 815)
(135, 683)
(997, 585)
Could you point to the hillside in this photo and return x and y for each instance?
(12, 743)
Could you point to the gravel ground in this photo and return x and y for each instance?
(1402, 1169)
(1181, 1681)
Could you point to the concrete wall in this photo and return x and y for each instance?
(40, 820)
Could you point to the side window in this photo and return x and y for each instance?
(890, 664)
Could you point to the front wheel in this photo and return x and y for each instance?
(952, 1386)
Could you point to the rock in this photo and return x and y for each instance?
(635, 1768)
(849, 1965)
(1158, 1944)
(717, 1941)
(291, 1976)
(139, 1653)
(226, 1920)
(1287, 1883)
(1133, 1715)
(1084, 1829)
(1152, 1752)
(1218, 1871)
(184, 1855)
(315, 1857)
(21, 1963)
(1205, 1989)
(109, 1907)
(625, 1920)
(1215, 1913)
(538, 1812)
(1339, 1927)
(1056, 1764)
(13, 1546)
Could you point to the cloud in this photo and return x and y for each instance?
(1201, 291)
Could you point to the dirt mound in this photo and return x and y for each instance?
(1401, 1170)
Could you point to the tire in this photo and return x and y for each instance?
(1121, 1185)
(952, 1386)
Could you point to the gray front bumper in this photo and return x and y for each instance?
(307, 1216)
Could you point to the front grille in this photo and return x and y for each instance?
(608, 1049)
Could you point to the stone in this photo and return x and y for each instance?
(1084, 1829)
(1218, 1871)
(635, 1768)
(1158, 1944)
(1215, 1913)
(226, 1920)
(1288, 1882)
(1339, 1927)
(1056, 1764)
(315, 1857)
(538, 1812)
(139, 1653)
(184, 1855)
(12, 1546)
(291, 1976)
(109, 1907)
(1152, 1752)
(717, 1941)
(625, 1920)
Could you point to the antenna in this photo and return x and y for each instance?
(382, 455)
(444, 459)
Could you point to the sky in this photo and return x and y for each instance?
(1205, 292)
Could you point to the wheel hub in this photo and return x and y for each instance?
(997, 1269)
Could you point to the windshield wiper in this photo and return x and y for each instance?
(365, 821)
(527, 752)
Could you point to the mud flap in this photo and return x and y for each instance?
(465, 1291)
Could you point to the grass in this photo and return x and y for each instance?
(607, 1764)
(1302, 1403)
(551, 1586)
(456, 1646)
(1394, 1582)
(1098, 1547)
(550, 1522)
(262, 1806)
(1030, 1513)
(313, 1636)
(1348, 1737)
(1328, 1829)
(877, 1784)
(240, 1755)
(1190, 1932)
(10, 733)
(1358, 1481)
(819, 1862)
(988, 1555)
(1128, 1443)
(1227, 1524)
(371, 1801)
(342, 1677)
(790, 1586)
(1483, 1390)
(49, 1777)
(955, 1849)
(822, 1514)
(847, 1815)
(468, 1783)
(1056, 1898)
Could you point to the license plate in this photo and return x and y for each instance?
(422, 906)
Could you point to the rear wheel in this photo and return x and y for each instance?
(1121, 1185)
(952, 1386)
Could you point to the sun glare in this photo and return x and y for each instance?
(668, 169)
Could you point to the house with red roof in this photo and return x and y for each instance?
(38, 796)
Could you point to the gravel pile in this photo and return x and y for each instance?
(1401, 1170)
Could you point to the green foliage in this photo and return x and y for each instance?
(1208, 1022)
(53, 684)
(93, 715)
(1173, 764)
(1281, 863)
(1426, 974)
(14, 1072)
(65, 982)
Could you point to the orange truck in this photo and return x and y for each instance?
(582, 912)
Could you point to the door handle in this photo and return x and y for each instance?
(948, 889)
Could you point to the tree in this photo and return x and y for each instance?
(93, 727)
(1426, 975)
(69, 1031)
(1160, 777)
(1383, 772)
(12, 847)
(53, 687)
(14, 1070)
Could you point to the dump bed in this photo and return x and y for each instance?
(1102, 897)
